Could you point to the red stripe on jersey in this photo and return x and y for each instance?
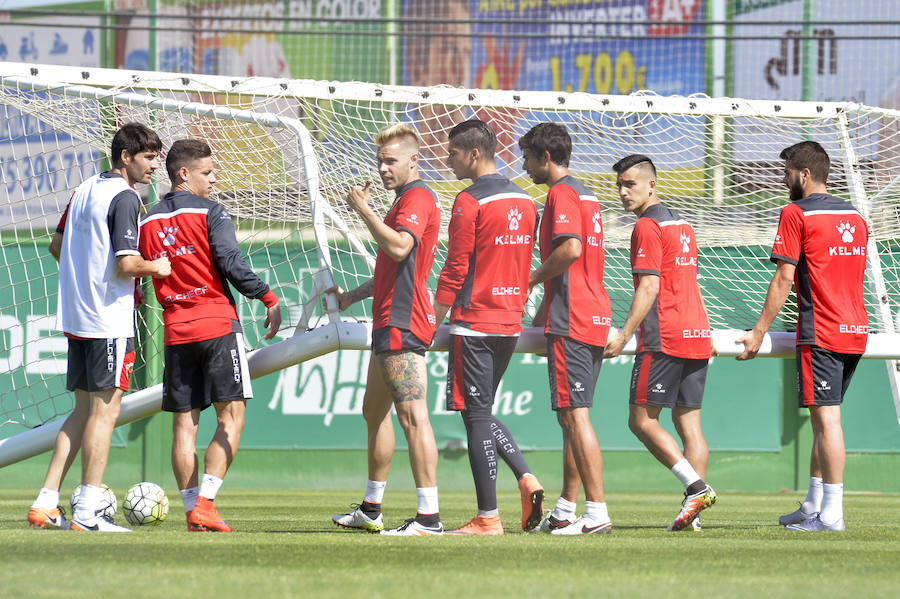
(561, 375)
(396, 339)
(640, 395)
(807, 384)
(127, 369)
(459, 397)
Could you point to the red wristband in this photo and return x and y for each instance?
(269, 299)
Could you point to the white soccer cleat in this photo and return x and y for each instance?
(413, 528)
(815, 524)
(691, 508)
(583, 526)
(551, 523)
(358, 519)
(796, 517)
(97, 524)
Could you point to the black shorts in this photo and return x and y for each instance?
(665, 381)
(392, 339)
(573, 367)
(823, 375)
(200, 373)
(474, 369)
(100, 364)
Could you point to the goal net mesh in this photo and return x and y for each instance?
(717, 161)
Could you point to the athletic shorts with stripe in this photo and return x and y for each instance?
(665, 381)
(392, 339)
(200, 373)
(573, 367)
(100, 364)
(475, 367)
(823, 375)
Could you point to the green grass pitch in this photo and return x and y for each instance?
(286, 546)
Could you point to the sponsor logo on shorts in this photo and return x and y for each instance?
(658, 388)
(110, 356)
(824, 386)
(577, 387)
(473, 391)
(236, 365)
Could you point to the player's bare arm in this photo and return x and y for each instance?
(55, 245)
(273, 320)
(779, 289)
(440, 312)
(402, 373)
(348, 298)
(644, 296)
(560, 259)
(396, 244)
(135, 266)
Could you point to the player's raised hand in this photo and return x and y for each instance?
(343, 299)
(273, 321)
(358, 197)
(752, 341)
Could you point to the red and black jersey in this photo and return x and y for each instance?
(400, 296)
(576, 301)
(826, 239)
(664, 244)
(197, 236)
(485, 277)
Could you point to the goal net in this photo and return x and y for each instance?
(287, 152)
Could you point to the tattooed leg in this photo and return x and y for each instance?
(405, 376)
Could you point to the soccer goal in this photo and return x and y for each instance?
(288, 150)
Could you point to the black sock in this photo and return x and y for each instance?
(370, 509)
(695, 487)
(428, 519)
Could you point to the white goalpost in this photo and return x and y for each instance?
(288, 150)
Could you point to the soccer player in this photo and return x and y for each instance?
(485, 280)
(575, 313)
(820, 247)
(674, 339)
(96, 245)
(205, 363)
(403, 326)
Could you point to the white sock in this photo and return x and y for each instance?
(47, 499)
(427, 500)
(596, 511)
(488, 513)
(564, 510)
(832, 503)
(88, 503)
(189, 497)
(813, 501)
(209, 486)
(685, 473)
(375, 491)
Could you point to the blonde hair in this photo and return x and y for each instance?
(395, 131)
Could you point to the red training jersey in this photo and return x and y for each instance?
(485, 277)
(664, 244)
(197, 236)
(826, 239)
(399, 289)
(576, 301)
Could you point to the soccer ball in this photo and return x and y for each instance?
(108, 502)
(145, 503)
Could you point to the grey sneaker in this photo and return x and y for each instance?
(815, 524)
(796, 517)
(356, 518)
(413, 528)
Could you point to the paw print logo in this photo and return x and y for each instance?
(414, 218)
(168, 235)
(685, 243)
(598, 227)
(846, 230)
(578, 386)
(514, 217)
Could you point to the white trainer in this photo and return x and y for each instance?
(358, 519)
(412, 528)
(815, 524)
(796, 517)
(551, 523)
(97, 524)
(583, 526)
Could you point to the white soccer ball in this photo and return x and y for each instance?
(108, 502)
(145, 503)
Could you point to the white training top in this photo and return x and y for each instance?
(96, 300)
